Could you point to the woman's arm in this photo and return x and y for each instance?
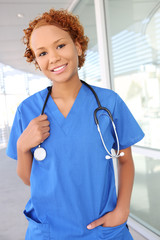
(36, 132)
(125, 183)
(126, 176)
(24, 164)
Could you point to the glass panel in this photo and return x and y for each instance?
(1, 79)
(134, 40)
(37, 83)
(90, 72)
(14, 80)
(146, 192)
(134, 48)
(15, 86)
(12, 102)
(3, 122)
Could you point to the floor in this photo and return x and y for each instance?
(13, 197)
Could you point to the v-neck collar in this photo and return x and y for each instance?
(65, 123)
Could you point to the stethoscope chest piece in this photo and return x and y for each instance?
(40, 153)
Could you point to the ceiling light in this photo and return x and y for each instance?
(20, 15)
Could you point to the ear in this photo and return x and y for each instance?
(79, 48)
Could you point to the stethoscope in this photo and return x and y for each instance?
(40, 152)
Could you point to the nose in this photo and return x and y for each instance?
(54, 57)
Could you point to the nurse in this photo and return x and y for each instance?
(73, 193)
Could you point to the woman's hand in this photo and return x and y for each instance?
(111, 219)
(125, 182)
(35, 133)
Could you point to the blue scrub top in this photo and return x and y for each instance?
(75, 184)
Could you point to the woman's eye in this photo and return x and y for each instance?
(42, 54)
(60, 46)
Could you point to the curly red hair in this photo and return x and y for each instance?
(62, 19)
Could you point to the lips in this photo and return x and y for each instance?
(59, 68)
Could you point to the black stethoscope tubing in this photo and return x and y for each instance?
(40, 152)
(97, 99)
(44, 105)
(99, 104)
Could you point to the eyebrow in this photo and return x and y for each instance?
(52, 43)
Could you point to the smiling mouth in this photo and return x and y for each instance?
(59, 69)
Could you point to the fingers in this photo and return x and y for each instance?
(45, 136)
(38, 130)
(45, 129)
(96, 223)
(45, 132)
(110, 219)
(41, 119)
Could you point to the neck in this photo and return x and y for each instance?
(66, 90)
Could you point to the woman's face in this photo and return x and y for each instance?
(56, 53)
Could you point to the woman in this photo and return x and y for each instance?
(73, 193)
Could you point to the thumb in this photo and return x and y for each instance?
(96, 223)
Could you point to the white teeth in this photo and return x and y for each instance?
(57, 69)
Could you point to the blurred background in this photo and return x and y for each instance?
(124, 55)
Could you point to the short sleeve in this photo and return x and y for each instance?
(15, 133)
(128, 130)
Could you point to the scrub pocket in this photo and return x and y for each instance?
(36, 230)
(120, 232)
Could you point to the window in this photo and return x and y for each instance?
(15, 86)
(146, 195)
(90, 72)
(134, 46)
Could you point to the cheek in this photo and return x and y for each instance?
(72, 54)
(75, 58)
(41, 63)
